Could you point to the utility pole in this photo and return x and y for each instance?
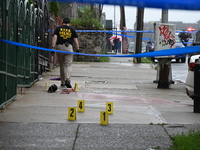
(123, 28)
(140, 24)
(164, 16)
(114, 16)
(164, 64)
(122, 18)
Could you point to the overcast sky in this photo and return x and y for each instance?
(150, 14)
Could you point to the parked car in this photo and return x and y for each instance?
(178, 44)
(131, 47)
(195, 42)
(189, 83)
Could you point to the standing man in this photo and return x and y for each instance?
(64, 37)
(184, 37)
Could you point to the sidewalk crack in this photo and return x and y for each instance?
(167, 133)
(76, 137)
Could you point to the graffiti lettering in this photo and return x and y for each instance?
(169, 38)
(166, 42)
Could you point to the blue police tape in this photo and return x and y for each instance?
(163, 4)
(109, 31)
(167, 52)
(125, 35)
(112, 32)
(187, 42)
(127, 31)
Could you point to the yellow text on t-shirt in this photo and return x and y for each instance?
(65, 33)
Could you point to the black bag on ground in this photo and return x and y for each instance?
(52, 88)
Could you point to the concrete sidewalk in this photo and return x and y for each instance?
(144, 116)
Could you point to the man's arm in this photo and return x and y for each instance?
(76, 44)
(54, 40)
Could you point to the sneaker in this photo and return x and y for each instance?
(63, 85)
(67, 84)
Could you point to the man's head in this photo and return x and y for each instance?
(66, 20)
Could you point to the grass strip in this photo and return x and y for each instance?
(190, 141)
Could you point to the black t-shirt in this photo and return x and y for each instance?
(184, 37)
(65, 34)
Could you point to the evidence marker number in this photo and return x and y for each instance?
(72, 113)
(109, 107)
(103, 117)
(81, 105)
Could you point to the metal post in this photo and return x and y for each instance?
(164, 72)
(164, 16)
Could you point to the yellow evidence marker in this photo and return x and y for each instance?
(72, 113)
(81, 105)
(103, 117)
(109, 107)
(46, 87)
(76, 87)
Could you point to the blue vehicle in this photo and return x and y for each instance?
(178, 44)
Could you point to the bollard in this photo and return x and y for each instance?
(164, 73)
(196, 95)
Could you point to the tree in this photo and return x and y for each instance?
(123, 27)
(100, 11)
(86, 19)
(64, 9)
(140, 24)
(122, 18)
(54, 8)
(97, 13)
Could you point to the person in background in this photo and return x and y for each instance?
(184, 37)
(64, 37)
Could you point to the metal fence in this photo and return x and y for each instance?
(26, 23)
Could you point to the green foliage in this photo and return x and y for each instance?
(186, 142)
(86, 20)
(54, 8)
(146, 60)
(30, 1)
(64, 8)
(104, 59)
